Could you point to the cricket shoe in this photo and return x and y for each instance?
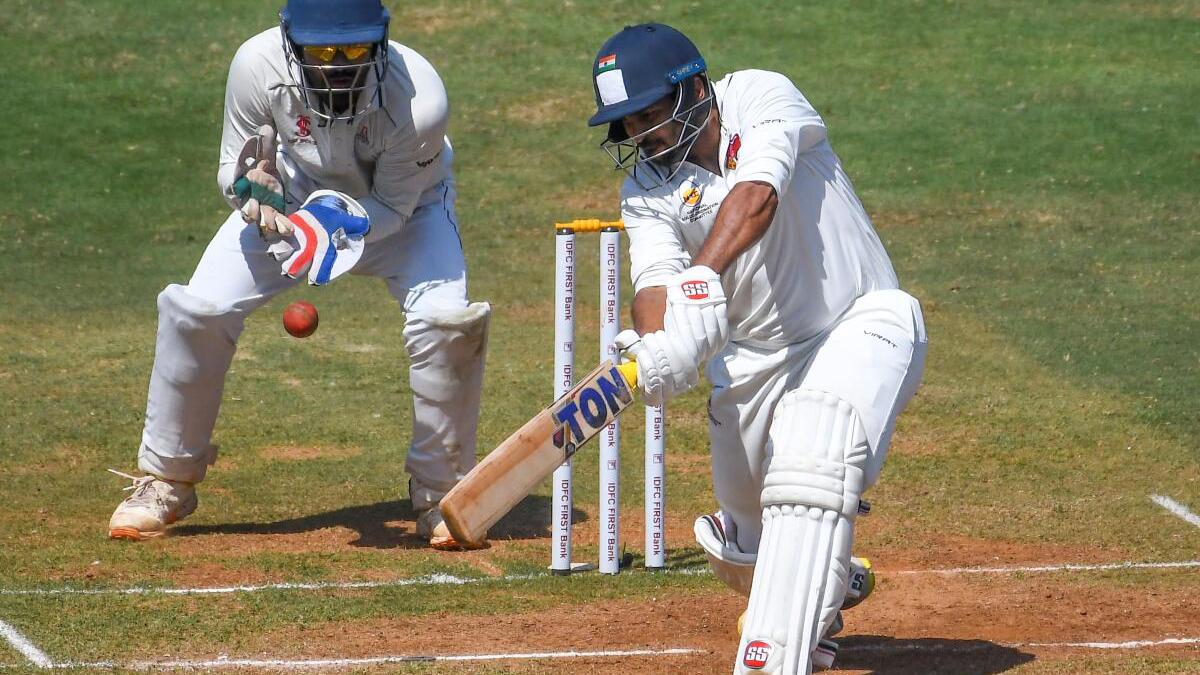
(859, 588)
(826, 650)
(153, 504)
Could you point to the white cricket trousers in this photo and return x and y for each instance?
(199, 325)
(871, 357)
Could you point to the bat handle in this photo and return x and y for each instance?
(630, 373)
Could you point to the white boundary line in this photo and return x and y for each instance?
(19, 642)
(451, 580)
(1176, 509)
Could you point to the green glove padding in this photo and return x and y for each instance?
(246, 189)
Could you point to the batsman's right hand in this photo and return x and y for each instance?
(664, 370)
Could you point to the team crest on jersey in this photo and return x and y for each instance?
(731, 154)
(364, 133)
(689, 193)
(303, 126)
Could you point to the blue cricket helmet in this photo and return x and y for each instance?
(638, 66)
(335, 22)
(323, 86)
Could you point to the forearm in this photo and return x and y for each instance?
(226, 175)
(649, 307)
(385, 221)
(744, 217)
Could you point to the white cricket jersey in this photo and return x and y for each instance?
(391, 159)
(820, 252)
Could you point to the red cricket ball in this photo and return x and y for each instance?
(300, 319)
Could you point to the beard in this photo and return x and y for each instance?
(336, 79)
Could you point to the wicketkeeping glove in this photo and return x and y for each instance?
(330, 228)
(258, 188)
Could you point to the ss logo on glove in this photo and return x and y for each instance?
(694, 290)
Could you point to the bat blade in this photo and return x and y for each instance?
(510, 472)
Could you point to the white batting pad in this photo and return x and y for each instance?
(810, 497)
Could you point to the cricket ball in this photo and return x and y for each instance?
(300, 319)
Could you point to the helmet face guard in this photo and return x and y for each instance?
(653, 171)
(313, 82)
(336, 92)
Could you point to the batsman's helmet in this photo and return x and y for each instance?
(634, 69)
(336, 23)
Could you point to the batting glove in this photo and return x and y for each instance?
(695, 317)
(330, 228)
(664, 370)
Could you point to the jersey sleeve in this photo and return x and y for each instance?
(247, 108)
(410, 163)
(656, 251)
(776, 124)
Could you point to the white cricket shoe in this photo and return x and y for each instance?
(859, 588)
(154, 504)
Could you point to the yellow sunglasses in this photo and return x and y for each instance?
(327, 53)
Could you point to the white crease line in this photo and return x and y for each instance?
(1176, 508)
(286, 664)
(431, 580)
(1066, 567)
(891, 647)
(1132, 644)
(978, 644)
(451, 580)
(19, 642)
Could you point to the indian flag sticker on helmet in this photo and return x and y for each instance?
(606, 63)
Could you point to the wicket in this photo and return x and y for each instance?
(610, 455)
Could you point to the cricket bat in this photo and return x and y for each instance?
(510, 472)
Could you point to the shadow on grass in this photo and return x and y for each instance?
(389, 524)
(928, 656)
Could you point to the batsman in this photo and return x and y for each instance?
(752, 255)
(334, 158)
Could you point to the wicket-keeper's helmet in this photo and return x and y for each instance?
(346, 45)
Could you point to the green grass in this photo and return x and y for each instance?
(1032, 168)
